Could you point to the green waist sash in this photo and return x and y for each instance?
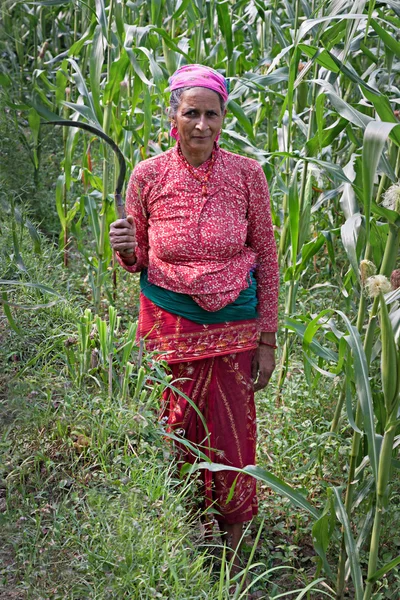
(243, 308)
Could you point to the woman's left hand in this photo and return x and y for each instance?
(263, 366)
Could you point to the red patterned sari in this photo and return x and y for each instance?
(211, 364)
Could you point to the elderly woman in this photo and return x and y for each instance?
(199, 230)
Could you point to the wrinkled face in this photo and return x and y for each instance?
(198, 120)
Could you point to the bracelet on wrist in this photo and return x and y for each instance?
(261, 343)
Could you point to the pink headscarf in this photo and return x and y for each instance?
(199, 76)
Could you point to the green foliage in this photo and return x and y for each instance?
(314, 99)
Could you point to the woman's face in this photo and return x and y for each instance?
(198, 120)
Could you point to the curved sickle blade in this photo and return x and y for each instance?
(121, 160)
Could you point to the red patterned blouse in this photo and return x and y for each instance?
(205, 245)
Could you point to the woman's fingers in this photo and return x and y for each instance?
(266, 366)
(123, 244)
(122, 224)
(262, 381)
(123, 234)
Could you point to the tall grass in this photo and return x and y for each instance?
(314, 99)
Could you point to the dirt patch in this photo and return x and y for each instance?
(8, 584)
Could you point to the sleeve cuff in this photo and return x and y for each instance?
(267, 326)
(130, 268)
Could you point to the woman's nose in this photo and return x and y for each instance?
(202, 123)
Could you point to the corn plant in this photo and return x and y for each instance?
(109, 357)
(355, 364)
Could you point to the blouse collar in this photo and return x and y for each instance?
(204, 165)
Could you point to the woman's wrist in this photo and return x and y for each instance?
(268, 339)
(129, 258)
(266, 344)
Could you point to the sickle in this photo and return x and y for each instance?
(121, 160)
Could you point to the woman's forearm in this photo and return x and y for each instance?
(268, 337)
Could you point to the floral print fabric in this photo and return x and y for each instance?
(222, 389)
(200, 245)
(175, 338)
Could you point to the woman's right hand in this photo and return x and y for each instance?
(123, 237)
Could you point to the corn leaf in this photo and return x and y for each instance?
(83, 90)
(42, 109)
(388, 39)
(96, 66)
(75, 49)
(350, 233)
(181, 7)
(382, 106)
(276, 484)
(91, 208)
(170, 43)
(155, 69)
(225, 24)
(349, 399)
(315, 346)
(351, 548)
(392, 296)
(69, 151)
(117, 74)
(8, 314)
(308, 251)
(389, 356)
(37, 286)
(261, 82)
(384, 570)
(50, 2)
(311, 23)
(363, 390)
(344, 109)
(60, 199)
(33, 232)
(375, 136)
(134, 62)
(102, 17)
(242, 118)
(321, 57)
(156, 7)
(294, 213)
(391, 216)
(326, 136)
